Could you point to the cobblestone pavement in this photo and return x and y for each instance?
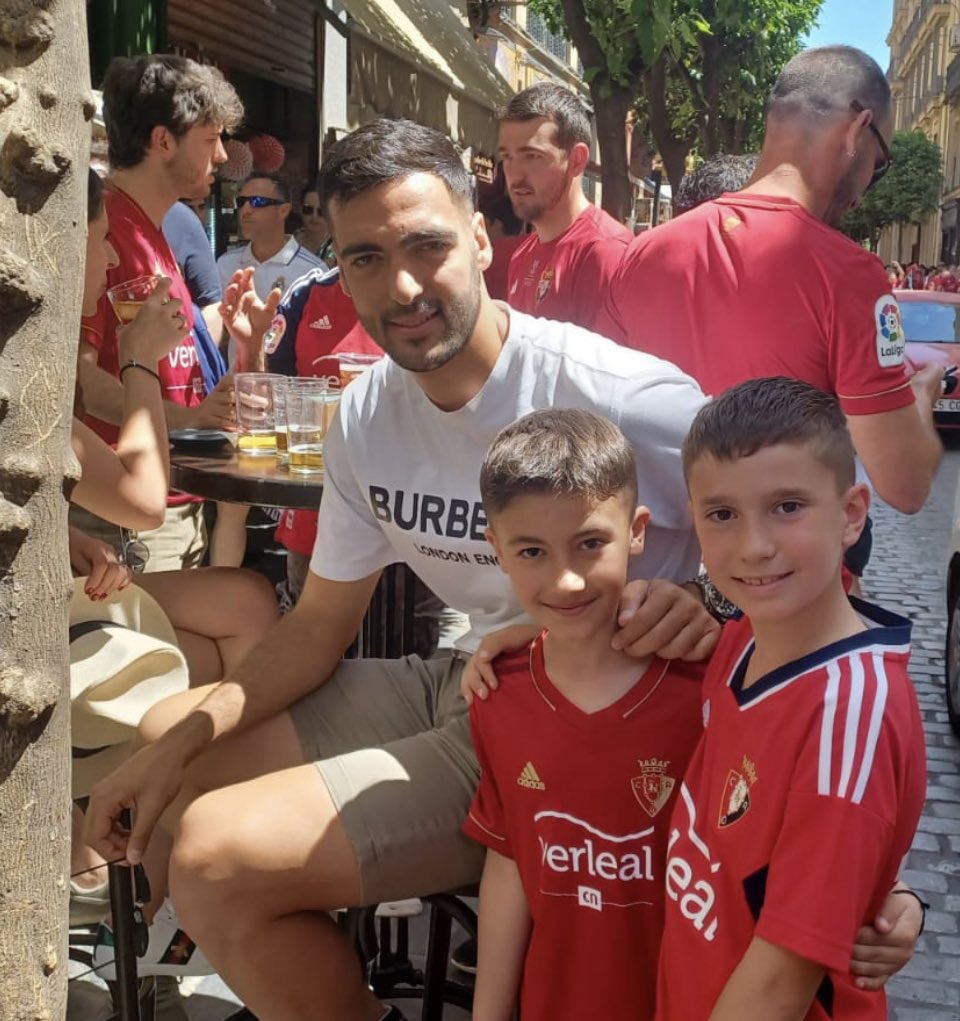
(906, 573)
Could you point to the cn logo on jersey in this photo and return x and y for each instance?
(588, 897)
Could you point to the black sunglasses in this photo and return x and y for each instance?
(881, 168)
(257, 201)
(134, 553)
(312, 210)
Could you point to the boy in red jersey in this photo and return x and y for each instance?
(805, 790)
(583, 747)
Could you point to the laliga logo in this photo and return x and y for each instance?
(890, 338)
(890, 325)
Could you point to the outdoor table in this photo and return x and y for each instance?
(226, 476)
(229, 477)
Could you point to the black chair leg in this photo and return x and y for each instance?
(126, 995)
(435, 973)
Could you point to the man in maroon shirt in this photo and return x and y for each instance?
(164, 118)
(562, 269)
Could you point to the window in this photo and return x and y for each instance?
(550, 41)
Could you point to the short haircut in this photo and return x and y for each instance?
(144, 92)
(94, 195)
(306, 189)
(713, 178)
(559, 105)
(821, 83)
(558, 452)
(389, 150)
(280, 184)
(763, 413)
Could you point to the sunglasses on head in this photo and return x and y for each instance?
(880, 168)
(257, 201)
(312, 210)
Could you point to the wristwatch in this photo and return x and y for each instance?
(714, 601)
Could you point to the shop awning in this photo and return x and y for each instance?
(430, 36)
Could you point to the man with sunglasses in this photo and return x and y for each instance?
(277, 258)
(761, 283)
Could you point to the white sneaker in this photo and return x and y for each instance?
(170, 950)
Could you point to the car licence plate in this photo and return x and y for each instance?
(947, 404)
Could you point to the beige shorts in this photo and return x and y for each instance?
(391, 739)
(179, 543)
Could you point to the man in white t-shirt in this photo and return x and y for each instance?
(303, 783)
(277, 258)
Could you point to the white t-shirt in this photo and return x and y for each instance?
(402, 477)
(280, 270)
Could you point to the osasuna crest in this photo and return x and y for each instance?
(736, 798)
(543, 285)
(652, 788)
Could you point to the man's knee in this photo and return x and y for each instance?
(205, 863)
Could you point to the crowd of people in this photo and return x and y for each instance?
(917, 277)
(683, 762)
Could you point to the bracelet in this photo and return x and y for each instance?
(132, 364)
(923, 907)
(714, 602)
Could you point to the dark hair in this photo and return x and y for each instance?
(559, 105)
(763, 413)
(821, 83)
(501, 208)
(94, 195)
(141, 93)
(307, 188)
(713, 178)
(281, 185)
(388, 150)
(561, 452)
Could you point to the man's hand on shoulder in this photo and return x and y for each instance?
(664, 619)
(479, 678)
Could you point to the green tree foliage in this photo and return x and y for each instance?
(909, 191)
(696, 71)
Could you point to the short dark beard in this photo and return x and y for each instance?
(460, 316)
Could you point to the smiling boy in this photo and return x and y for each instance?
(805, 790)
(583, 746)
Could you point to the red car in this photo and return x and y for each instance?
(931, 325)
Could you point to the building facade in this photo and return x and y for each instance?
(924, 77)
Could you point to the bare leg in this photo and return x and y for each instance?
(270, 746)
(219, 615)
(228, 543)
(257, 906)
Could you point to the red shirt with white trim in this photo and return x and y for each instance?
(566, 279)
(142, 250)
(800, 802)
(581, 803)
(750, 286)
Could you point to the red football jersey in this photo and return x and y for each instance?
(317, 315)
(749, 286)
(297, 530)
(566, 279)
(142, 250)
(800, 802)
(581, 803)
